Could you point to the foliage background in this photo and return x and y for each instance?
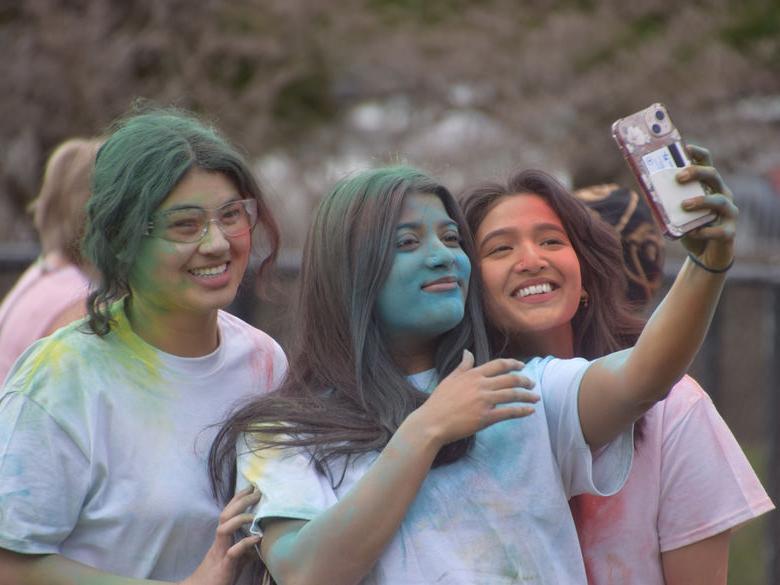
(312, 89)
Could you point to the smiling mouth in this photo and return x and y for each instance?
(210, 271)
(534, 289)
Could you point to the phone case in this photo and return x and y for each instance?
(652, 146)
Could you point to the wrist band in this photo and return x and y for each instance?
(701, 265)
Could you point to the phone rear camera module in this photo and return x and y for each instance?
(659, 115)
(656, 128)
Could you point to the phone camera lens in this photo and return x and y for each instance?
(659, 115)
(656, 128)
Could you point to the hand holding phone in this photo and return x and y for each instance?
(652, 146)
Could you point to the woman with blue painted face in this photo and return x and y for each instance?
(386, 456)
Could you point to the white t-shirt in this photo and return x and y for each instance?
(499, 515)
(689, 481)
(104, 444)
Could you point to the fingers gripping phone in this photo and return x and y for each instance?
(652, 146)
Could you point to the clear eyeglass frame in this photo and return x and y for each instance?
(188, 225)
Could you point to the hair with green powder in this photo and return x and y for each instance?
(144, 158)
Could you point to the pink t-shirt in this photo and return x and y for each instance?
(690, 480)
(34, 303)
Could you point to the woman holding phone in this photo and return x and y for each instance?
(385, 457)
(105, 425)
(554, 284)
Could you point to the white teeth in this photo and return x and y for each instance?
(210, 271)
(535, 289)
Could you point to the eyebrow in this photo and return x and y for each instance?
(416, 225)
(506, 231)
(183, 206)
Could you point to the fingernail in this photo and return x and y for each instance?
(692, 202)
(686, 174)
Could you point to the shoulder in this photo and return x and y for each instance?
(232, 325)
(51, 372)
(552, 372)
(686, 396)
(246, 340)
(58, 351)
(69, 275)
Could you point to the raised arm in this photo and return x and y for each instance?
(342, 544)
(219, 567)
(618, 388)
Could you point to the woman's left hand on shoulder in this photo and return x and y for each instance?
(713, 244)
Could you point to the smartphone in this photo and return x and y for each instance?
(652, 146)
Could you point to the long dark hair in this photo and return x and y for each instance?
(146, 156)
(607, 323)
(344, 395)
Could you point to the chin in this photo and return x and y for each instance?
(448, 322)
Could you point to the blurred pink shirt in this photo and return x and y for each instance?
(32, 306)
(690, 480)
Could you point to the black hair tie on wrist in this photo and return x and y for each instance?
(701, 265)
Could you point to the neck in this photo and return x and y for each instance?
(53, 260)
(413, 358)
(184, 335)
(557, 342)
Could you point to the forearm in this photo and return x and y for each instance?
(674, 333)
(22, 569)
(701, 563)
(619, 388)
(342, 544)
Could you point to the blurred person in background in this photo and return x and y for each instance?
(690, 484)
(643, 244)
(105, 425)
(53, 291)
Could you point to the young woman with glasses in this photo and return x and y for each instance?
(105, 426)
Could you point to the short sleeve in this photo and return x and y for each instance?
(279, 366)
(43, 478)
(582, 471)
(707, 483)
(289, 484)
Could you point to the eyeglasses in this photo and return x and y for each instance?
(188, 225)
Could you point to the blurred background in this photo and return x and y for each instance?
(466, 90)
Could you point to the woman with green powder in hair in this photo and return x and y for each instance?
(387, 456)
(105, 426)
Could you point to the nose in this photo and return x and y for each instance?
(214, 242)
(529, 259)
(439, 256)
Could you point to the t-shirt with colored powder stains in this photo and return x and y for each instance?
(104, 444)
(499, 515)
(690, 480)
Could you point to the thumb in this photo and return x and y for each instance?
(467, 362)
